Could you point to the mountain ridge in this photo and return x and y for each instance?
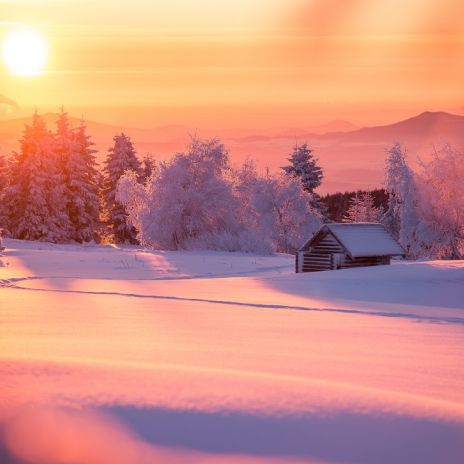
(351, 160)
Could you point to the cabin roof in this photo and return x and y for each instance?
(362, 239)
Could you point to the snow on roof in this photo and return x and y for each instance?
(365, 239)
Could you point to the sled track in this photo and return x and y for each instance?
(13, 284)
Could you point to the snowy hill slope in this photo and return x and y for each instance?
(124, 355)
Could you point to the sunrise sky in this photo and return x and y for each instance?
(253, 63)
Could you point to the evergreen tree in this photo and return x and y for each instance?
(353, 213)
(121, 158)
(363, 209)
(35, 194)
(148, 168)
(304, 166)
(3, 173)
(82, 177)
(3, 186)
(337, 204)
(63, 152)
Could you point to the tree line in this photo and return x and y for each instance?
(348, 206)
(53, 190)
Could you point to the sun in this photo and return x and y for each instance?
(24, 52)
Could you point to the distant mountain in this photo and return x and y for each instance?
(351, 159)
(431, 125)
(339, 125)
(355, 159)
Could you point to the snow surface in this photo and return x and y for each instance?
(124, 355)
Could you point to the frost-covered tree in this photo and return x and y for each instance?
(34, 196)
(441, 204)
(406, 215)
(188, 203)
(3, 173)
(395, 171)
(121, 158)
(414, 235)
(244, 180)
(304, 166)
(63, 151)
(3, 185)
(82, 183)
(283, 213)
(354, 211)
(196, 201)
(362, 209)
(148, 168)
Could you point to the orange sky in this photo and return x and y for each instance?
(246, 63)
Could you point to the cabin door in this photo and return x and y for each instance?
(337, 260)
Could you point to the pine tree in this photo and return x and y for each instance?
(353, 214)
(3, 173)
(304, 166)
(82, 176)
(34, 195)
(121, 158)
(61, 191)
(362, 209)
(3, 187)
(148, 168)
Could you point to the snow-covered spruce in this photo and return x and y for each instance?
(304, 166)
(120, 159)
(79, 171)
(35, 195)
(363, 209)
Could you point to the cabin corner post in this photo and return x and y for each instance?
(299, 261)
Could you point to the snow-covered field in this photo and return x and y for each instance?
(121, 356)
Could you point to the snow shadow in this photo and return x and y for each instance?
(5, 456)
(348, 438)
(129, 435)
(13, 283)
(409, 284)
(46, 261)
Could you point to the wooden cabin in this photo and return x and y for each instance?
(346, 245)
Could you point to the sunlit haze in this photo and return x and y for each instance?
(231, 231)
(24, 52)
(253, 63)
